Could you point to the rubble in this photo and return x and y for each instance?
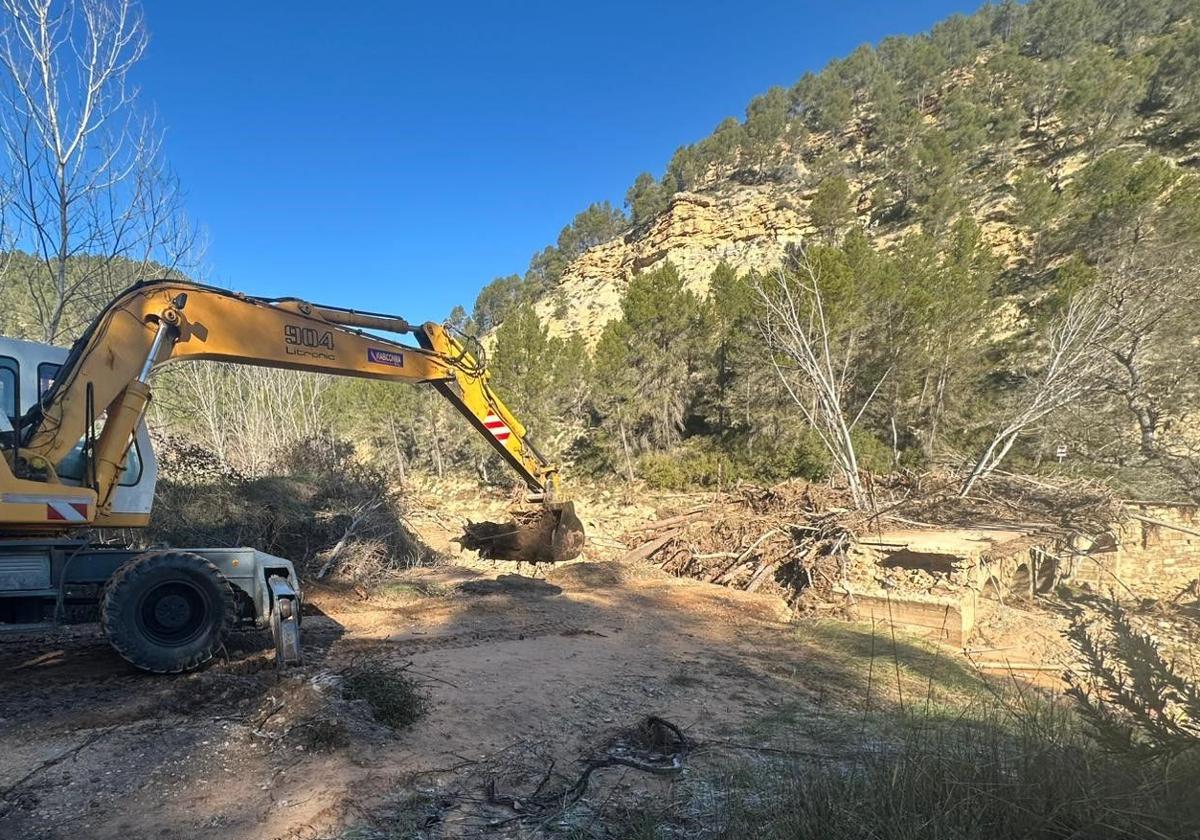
(925, 557)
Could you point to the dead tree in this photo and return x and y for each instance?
(1153, 299)
(814, 360)
(1076, 352)
(247, 416)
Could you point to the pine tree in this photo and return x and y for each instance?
(645, 363)
(768, 132)
(1101, 91)
(498, 299)
(831, 208)
(646, 198)
(540, 378)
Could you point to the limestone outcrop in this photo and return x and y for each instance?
(749, 228)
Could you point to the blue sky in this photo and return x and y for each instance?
(396, 156)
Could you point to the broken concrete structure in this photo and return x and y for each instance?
(1158, 544)
(932, 579)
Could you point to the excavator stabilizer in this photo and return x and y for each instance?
(551, 533)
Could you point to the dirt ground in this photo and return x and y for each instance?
(511, 666)
(523, 677)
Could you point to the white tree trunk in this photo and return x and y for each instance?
(813, 364)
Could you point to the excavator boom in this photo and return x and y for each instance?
(101, 392)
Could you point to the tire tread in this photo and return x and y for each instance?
(125, 640)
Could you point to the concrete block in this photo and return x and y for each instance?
(944, 618)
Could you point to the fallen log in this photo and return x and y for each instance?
(669, 522)
(648, 549)
(675, 555)
(733, 572)
(720, 571)
(761, 575)
(739, 559)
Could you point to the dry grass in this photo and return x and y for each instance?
(921, 749)
(1012, 773)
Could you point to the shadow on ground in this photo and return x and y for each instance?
(523, 678)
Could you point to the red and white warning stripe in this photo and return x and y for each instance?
(496, 426)
(66, 511)
(58, 509)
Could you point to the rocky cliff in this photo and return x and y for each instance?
(748, 228)
(993, 115)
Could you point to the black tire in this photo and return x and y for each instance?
(167, 611)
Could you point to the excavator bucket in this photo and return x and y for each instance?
(550, 533)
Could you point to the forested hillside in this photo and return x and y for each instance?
(972, 248)
(997, 221)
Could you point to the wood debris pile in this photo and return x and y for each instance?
(794, 537)
(800, 539)
(1059, 506)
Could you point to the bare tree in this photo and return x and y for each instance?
(248, 416)
(1076, 341)
(7, 244)
(96, 204)
(1154, 301)
(814, 360)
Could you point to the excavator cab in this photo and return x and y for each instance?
(28, 370)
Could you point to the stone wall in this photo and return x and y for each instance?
(1141, 552)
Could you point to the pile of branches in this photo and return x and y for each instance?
(320, 507)
(793, 537)
(1057, 506)
(797, 537)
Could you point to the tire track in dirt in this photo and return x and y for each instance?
(412, 646)
(503, 664)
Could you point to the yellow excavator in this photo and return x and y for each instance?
(77, 456)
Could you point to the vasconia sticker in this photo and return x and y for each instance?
(385, 357)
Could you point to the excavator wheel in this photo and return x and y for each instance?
(167, 611)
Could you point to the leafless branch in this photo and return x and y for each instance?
(95, 203)
(813, 360)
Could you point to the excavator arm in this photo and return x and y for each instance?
(161, 321)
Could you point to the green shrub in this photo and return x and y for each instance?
(703, 462)
(697, 463)
(1134, 696)
(873, 455)
(801, 456)
(394, 699)
(663, 471)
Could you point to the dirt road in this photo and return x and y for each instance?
(516, 672)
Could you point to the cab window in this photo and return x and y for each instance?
(46, 373)
(72, 465)
(9, 372)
